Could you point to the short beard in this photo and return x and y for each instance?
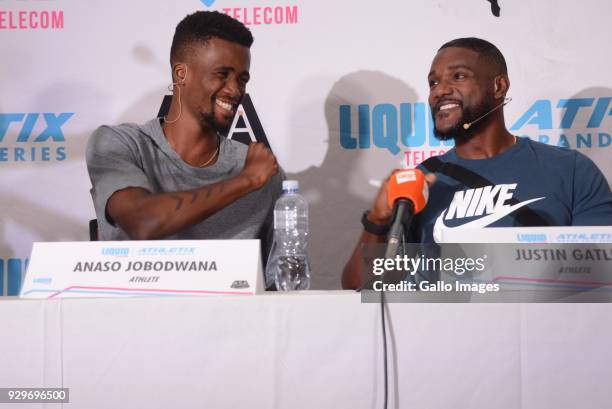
(457, 131)
(208, 120)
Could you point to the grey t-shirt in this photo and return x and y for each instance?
(131, 155)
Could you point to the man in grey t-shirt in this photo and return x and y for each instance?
(176, 177)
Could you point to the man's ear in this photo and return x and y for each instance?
(179, 73)
(501, 86)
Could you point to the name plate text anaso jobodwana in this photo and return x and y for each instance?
(143, 268)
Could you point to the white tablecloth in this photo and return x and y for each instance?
(307, 350)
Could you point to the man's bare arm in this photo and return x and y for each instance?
(144, 215)
(353, 275)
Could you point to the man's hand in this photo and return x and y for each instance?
(353, 275)
(260, 165)
(381, 209)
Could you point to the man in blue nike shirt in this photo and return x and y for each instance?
(491, 178)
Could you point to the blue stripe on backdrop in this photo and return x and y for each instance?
(14, 276)
(1, 276)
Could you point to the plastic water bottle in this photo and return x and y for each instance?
(288, 262)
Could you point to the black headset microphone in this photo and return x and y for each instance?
(467, 125)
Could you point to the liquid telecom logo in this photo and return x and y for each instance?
(33, 136)
(28, 15)
(258, 15)
(407, 128)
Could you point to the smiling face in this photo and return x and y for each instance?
(461, 89)
(215, 82)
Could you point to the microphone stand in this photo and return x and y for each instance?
(403, 210)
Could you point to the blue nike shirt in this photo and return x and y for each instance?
(562, 186)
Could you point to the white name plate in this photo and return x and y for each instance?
(554, 234)
(143, 268)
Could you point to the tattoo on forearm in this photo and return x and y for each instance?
(179, 201)
(194, 196)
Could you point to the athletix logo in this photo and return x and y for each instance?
(488, 202)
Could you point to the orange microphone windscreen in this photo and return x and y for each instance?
(408, 184)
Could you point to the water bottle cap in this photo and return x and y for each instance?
(291, 185)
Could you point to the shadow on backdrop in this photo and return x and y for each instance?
(339, 189)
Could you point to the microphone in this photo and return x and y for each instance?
(467, 125)
(408, 192)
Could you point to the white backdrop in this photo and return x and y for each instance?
(86, 63)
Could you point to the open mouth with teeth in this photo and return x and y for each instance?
(446, 110)
(225, 106)
(447, 106)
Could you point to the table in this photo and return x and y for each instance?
(307, 350)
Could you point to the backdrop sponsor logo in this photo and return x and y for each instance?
(12, 271)
(571, 132)
(30, 19)
(410, 125)
(260, 15)
(33, 136)
(407, 127)
(246, 126)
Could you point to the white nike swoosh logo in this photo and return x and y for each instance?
(483, 221)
